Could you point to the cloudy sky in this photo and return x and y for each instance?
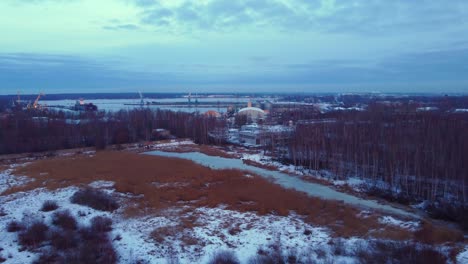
(233, 46)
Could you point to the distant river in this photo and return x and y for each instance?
(114, 105)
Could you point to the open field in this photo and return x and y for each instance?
(178, 207)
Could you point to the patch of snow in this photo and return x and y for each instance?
(389, 220)
(351, 181)
(244, 233)
(364, 214)
(173, 143)
(8, 180)
(463, 256)
(170, 184)
(102, 184)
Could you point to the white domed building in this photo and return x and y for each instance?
(252, 113)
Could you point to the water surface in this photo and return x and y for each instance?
(283, 179)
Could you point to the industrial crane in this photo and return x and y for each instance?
(141, 98)
(36, 102)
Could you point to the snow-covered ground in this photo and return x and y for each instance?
(209, 230)
(410, 225)
(173, 144)
(7, 180)
(462, 257)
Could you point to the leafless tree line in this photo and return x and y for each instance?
(419, 155)
(33, 132)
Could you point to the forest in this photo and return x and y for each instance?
(402, 156)
(25, 131)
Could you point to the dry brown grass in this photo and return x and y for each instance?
(203, 187)
(431, 233)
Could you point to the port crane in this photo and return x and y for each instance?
(36, 105)
(141, 98)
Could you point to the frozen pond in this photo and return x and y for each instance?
(284, 180)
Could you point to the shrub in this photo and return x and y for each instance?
(307, 232)
(49, 256)
(450, 212)
(96, 249)
(101, 224)
(15, 226)
(95, 199)
(264, 259)
(62, 240)
(34, 235)
(271, 254)
(224, 257)
(399, 252)
(70, 244)
(65, 220)
(48, 206)
(338, 247)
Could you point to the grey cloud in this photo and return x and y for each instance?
(215, 15)
(122, 27)
(358, 16)
(434, 71)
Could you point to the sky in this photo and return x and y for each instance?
(228, 46)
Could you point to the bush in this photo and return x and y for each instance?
(49, 256)
(15, 226)
(34, 235)
(62, 240)
(94, 248)
(48, 206)
(101, 224)
(271, 254)
(264, 259)
(70, 244)
(65, 220)
(224, 257)
(449, 212)
(399, 252)
(95, 199)
(88, 234)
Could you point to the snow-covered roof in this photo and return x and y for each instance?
(255, 109)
